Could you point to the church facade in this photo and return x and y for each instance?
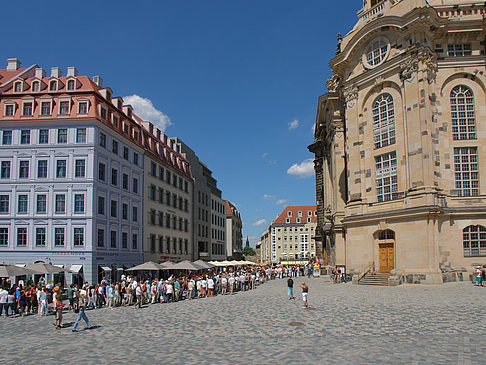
(399, 159)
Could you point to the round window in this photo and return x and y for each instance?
(376, 53)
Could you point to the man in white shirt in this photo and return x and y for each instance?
(170, 291)
(224, 285)
(242, 282)
(231, 282)
(138, 294)
(210, 287)
(3, 301)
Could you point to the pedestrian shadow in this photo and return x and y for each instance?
(67, 325)
(92, 328)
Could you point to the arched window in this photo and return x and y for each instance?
(474, 241)
(70, 85)
(386, 235)
(53, 86)
(376, 53)
(35, 86)
(462, 113)
(384, 121)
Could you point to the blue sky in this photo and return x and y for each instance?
(238, 81)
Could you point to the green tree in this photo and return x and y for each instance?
(249, 251)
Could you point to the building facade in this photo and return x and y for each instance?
(208, 213)
(234, 238)
(398, 152)
(72, 173)
(168, 195)
(291, 235)
(264, 257)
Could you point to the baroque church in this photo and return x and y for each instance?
(400, 166)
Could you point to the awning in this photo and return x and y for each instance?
(105, 268)
(120, 268)
(76, 268)
(59, 266)
(21, 265)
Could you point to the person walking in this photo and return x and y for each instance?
(305, 293)
(58, 306)
(82, 308)
(290, 288)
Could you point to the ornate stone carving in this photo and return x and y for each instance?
(408, 69)
(339, 41)
(333, 83)
(350, 94)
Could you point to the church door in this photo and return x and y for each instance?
(387, 257)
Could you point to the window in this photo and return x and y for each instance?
(466, 171)
(125, 181)
(386, 176)
(387, 234)
(78, 237)
(64, 107)
(384, 121)
(101, 205)
(53, 85)
(124, 240)
(60, 203)
(459, 50)
(79, 168)
(46, 108)
(41, 206)
(59, 236)
(113, 239)
(27, 109)
(35, 86)
(24, 137)
(43, 136)
(114, 147)
(40, 236)
(152, 243)
(101, 237)
(78, 203)
(103, 140)
(70, 85)
(114, 207)
(5, 170)
(9, 110)
(161, 219)
(81, 135)
(22, 236)
(135, 214)
(135, 186)
(153, 169)
(167, 220)
(62, 135)
(4, 203)
(18, 87)
(152, 217)
(42, 168)
(22, 203)
(115, 121)
(3, 236)
(114, 177)
(462, 113)
(125, 211)
(125, 153)
(83, 108)
(101, 171)
(161, 173)
(134, 241)
(24, 170)
(60, 168)
(103, 113)
(7, 137)
(161, 244)
(474, 241)
(376, 53)
(135, 158)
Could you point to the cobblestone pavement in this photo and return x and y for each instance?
(439, 324)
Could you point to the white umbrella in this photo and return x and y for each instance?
(147, 266)
(204, 264)
(12, 270)
(41, 268)
(187, 265)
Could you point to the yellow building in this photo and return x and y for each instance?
(398, 155)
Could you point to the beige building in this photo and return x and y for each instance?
(264, 252)
(291, 236)
(168, 188)
(400, 167)
(234, 239)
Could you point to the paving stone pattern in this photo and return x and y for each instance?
(409, 324)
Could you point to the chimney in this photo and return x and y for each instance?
(56, 72)
(12, 64)
(98, 81)
(71, 71)
(40, 73)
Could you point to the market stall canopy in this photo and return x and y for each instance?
(167, 265)
(12, 270)
(147, 266)
(216, 263)
(187, 265)
(204, 264)
(41, 268)
(225, 263)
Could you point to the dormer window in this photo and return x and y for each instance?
(103, 113)
(70, 85)
(53, 85)
(64, 107)
(299, 213)
(27, 109)
(115, 121)
(9, 110)
(83, 107)
(289, 213)
(18, 87)
(36, 86)
(108, 95)
(46, 108)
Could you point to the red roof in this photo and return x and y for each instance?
(290, 214)
(229, 208)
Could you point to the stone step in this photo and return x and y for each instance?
(379, 279)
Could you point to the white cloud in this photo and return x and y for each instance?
(294, 124)
(144, 108)
(303, 169)
(281, 202)
(265, 154)
(267, 196)
(260, 222)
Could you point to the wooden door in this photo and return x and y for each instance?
(325, 257)
(387, 257)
